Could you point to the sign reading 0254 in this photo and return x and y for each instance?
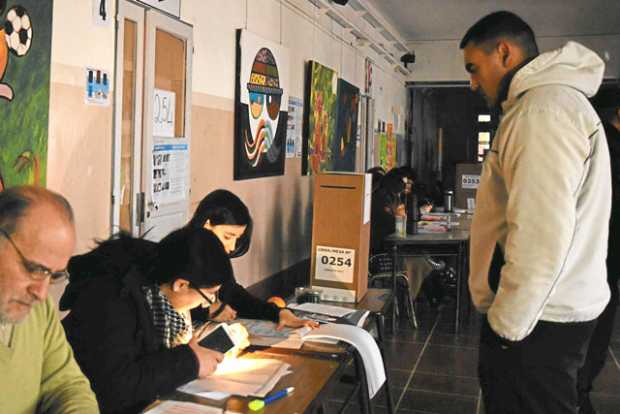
(334, 264)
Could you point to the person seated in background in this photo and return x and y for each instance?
(387, 204)
(38, 371)
(376, 173)
(130, 324)
(224, 214)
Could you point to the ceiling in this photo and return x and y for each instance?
(419, 20)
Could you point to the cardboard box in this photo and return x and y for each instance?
(340, 236)
(466, 184)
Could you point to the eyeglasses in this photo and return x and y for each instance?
(210, 300)
(35, 270)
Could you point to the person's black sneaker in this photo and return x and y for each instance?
(585, 405)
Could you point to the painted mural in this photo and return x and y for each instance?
(320, 120)
(261, 107)
(345, 143)
(25, 46)
(387, 148)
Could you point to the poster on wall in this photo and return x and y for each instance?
(164, 103)
(170, 172)
(25, 45)
(294, 127)
(97, 90)
(387, 148)
(261, 107)
(320, 119)
(169, 6)
(344, 145)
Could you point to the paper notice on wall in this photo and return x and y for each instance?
(367, 197)
(334, 264)
(470, 181)
(163, 113)
(294, 125)
(170, 172)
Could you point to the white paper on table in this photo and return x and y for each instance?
(182, 407)
(244, 377)
(365, 345)
(337, 311)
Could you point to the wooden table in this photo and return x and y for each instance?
(310, 376)
(377, 302)
(452, 243)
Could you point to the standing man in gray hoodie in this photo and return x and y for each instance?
(539, 233)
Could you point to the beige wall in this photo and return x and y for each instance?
(442, 60)
(81, 136)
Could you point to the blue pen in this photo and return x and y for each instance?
(256, 405)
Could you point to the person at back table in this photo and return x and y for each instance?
(130, 323)
(538, 245)
(38, 373)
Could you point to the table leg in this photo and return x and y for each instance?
(380, 324)
(394, 288)
(364, 397)
(459, 281)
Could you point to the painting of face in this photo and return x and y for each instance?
(261, 107)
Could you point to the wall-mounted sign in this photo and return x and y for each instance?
(97, 87)
(170, 172)
(163, 113)
(169, 6)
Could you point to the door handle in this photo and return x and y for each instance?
(140, 208)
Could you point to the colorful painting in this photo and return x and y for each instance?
(320, 120)
(345, 144)
(387, 149)
(261, 107)
(25, 45)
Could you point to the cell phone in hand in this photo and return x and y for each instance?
(218, 339)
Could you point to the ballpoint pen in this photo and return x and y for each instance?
(256, 405)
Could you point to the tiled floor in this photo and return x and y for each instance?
(432, 370)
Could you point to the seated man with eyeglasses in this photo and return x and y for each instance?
(130, 323)
(38, 371)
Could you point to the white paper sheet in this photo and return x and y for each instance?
(336, 311)
(181, 407)
(365, 345)
(244, 377)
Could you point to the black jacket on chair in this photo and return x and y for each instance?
(110, 328)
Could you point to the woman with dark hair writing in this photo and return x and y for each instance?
(223, 213)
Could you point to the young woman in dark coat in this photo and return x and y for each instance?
(223, 213)
(129, 324)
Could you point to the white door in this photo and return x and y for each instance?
(151, 184)
(127, 196)
(167, 125)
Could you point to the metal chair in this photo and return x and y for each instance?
(380, 270)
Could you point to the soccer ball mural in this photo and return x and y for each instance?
(16, 37)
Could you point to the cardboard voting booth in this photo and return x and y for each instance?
(466, 184)
(340, 236)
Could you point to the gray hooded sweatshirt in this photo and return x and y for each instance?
(544, 198)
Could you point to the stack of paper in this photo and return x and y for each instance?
(329, 313)
(244, 377)
(264, 333)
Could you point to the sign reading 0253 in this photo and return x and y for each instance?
(334, 264)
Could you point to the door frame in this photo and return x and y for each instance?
(135, 12)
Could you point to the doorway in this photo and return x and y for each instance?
(152, 136)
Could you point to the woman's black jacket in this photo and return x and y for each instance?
(111, 329)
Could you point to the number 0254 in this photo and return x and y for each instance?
(336, 261)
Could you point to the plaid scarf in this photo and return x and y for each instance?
(171, 327)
